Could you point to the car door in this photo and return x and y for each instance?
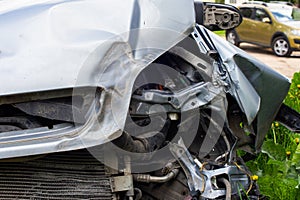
(243, 29)
(261, 27)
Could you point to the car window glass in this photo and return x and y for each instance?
(296, 14)
(260, 14)
(246, 12)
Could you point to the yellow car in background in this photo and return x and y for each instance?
(268, 25)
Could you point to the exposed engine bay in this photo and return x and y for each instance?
(140, 122)
(181, 104)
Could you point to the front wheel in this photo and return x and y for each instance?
(281, 47)
(232, 37)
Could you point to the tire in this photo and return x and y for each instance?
(232, 37)
(281, 47)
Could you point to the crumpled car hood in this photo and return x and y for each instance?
(57, 44)
(48, 44)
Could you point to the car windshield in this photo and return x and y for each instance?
(281, 17)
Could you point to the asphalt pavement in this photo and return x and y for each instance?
(285, 65)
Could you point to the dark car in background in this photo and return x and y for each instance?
(269, 25)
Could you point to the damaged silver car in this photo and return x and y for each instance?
(131, 99)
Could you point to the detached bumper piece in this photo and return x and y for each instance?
(289, 118)
(68, 175)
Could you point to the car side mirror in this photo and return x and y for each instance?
(217, 16)
(266, 20)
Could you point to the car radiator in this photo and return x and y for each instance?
(67, 175)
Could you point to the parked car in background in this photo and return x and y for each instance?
(283, 2)
(268, 25)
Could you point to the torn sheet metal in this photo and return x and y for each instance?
(256, 83)
(48, 44)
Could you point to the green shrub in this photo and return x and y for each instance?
(278, 165)
(220, 33)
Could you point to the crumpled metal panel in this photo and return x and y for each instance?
(263, 89)
(48, 44)
(272, 88)
(56, 44)
(241, 87)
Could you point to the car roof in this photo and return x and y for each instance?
(283, 2)
(264, 4)
(253, 5)
(273, 7)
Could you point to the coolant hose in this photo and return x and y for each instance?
(227, 186)
(155, 179)
(142, 145)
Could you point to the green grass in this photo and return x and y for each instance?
(278, 166)
(220, 33)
